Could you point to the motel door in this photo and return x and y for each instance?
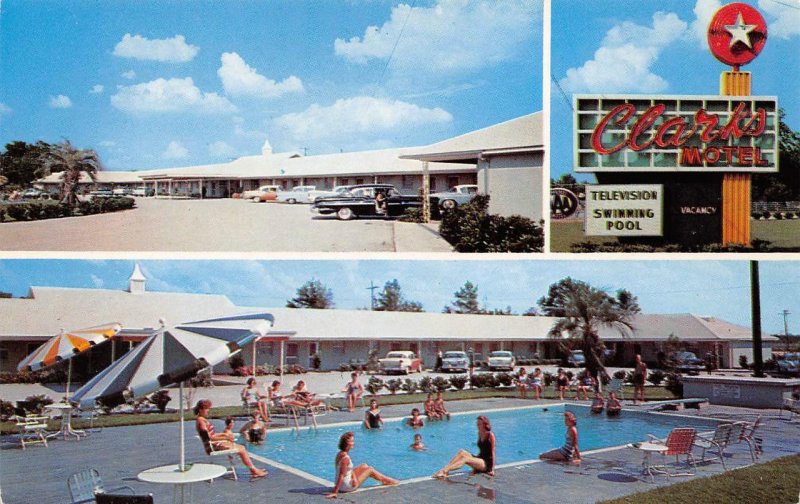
(291, 353)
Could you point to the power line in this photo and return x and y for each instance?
(396, 42)
(785, 4)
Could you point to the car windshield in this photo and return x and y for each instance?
(395, 355)
(687, 356)
(500, 354)
(455, 355)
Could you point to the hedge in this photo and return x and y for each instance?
(30, 211)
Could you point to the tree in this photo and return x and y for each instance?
(391, 299)
(784, 185)
(582, 310)
(72, 162)
(21, 162)
(312, 294)
(466, 300)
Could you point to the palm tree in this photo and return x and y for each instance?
(582, 310)
(72, 162)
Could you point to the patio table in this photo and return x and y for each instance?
(647, 466)
(172, 475)
(66, 429)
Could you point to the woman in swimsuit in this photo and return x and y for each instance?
(415, 420)
(536, 381)
(221, 441)
(372, 418)
(430, 409)
(483, 462)
(274, 394)
(253, 397)
(522, 383)
(353, 390)
(348, 478)
(254, 431)
(598, 404)
(613, 407)
(639, 375)
(563, 383)
(569, 452)
(439, 408)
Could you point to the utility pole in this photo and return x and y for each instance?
(371, 290)
(755, 305)
(786, 314)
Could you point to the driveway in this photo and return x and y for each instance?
(218, 225)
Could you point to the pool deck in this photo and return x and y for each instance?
(40, 474)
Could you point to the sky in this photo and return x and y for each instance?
(708, 288)
(658, 47)
(154, 84)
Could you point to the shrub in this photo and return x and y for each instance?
(766, 214)
(548, 378)
(458, 382)
(160, 399)
(674, 384)
(411, 215)
(6, 410)
(36, 403)
(410, 386)
(2, 214)
(375, 385)
(504, 379)
(18, 212)
(470, 228)
(236, 361)
(656, 377)
(316, 362)
(294, 369)
(620, 375)
(440, 383)
(201, 380)
(743, 361)
(393, 386)
(426, 385)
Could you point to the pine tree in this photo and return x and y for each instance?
(466, 300)
(313, 294)
(391, 299)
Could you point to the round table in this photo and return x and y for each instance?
(172, 475)
(66, 421)
(648, 449)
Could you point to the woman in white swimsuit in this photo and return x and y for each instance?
(348, 478)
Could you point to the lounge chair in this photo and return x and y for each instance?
(615, 385)
(32, 428)
(748, 435)
(679, 442)
(103, 498)
(85, 485)
(722, 436)
(230, 453)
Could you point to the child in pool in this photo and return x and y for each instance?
(417, 445)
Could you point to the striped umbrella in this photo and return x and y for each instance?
(172, 355)
(66, 345)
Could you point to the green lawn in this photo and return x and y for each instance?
(777, 481)
(781, 234)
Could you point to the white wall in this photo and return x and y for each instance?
(514, 184)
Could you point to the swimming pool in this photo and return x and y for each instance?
(522, 434)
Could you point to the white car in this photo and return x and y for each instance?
(263, 193)
(400, 361)
(298, 194)
(122, 191)
(501, 359)
(455, 361)
(456, 196)
(320, 193)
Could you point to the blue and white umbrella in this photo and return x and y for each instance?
(172, 355)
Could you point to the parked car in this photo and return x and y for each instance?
(101, 194)
(789, 364)
(34, 194)
(576, 359)
(402, 362)
(359, 201)
(263, 193)
(687, 362)
(122, 191)
(320, 193)
(501, 360)
(455, 361)
(456, 196)
(143, 191)
(298, 194)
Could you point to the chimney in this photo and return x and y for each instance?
(136, 281)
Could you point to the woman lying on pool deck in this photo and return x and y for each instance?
(349, 478)
(569, 452)
(483, 462)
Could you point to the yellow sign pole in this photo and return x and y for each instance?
(736, 187)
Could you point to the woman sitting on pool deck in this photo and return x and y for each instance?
(253, 397)
(430, 409)
(439, 408)
(349, 478)
(483, 462)
(598, 404)
(569, 452)
(221, 441)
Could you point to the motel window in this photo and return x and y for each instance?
(359, 181)
(345, 181)
(494, 347)
(3, 354)
(31, 347)
(479, 348)
(338, 345)
(395, 347)
(407, 182)
(452, 181)
(270, 348)
(291, 350)
(312, 348)
(414, 348)
(432, 183)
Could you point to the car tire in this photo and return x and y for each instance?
(449, 204)
(291, 201)
(256, 199)
(344, 213)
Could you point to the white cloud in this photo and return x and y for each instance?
(703, 12)
(108, 143)
(221, 149)
(4, 109)
(173, 50)
(130, 75)
(623, 62)
(97, 89)
(60, 101)
(169, 95)
(453, 35)
(358, 115)
(240, 79)
(175, 150)
(787, 18)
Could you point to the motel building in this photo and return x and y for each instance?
(505, 161)
(337, 336)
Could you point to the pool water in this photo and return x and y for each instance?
(521, 433)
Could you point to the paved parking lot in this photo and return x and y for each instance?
(218, 225)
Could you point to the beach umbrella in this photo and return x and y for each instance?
(172, 355)
(66, 345)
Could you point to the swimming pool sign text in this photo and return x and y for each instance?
(624, 210)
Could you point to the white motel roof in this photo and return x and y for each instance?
(103, 177)
(48, 309)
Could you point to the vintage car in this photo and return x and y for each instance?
(789, 364)
(101, 194)
(122, 191)
(687, 362)
(576, 359)
(34, 194)
(297, 194)
(455, 361)
(501, 360)
(360, 201)
(456, 196)
(143, 191)
(263, 193)
(400, 361)
(326, 193)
